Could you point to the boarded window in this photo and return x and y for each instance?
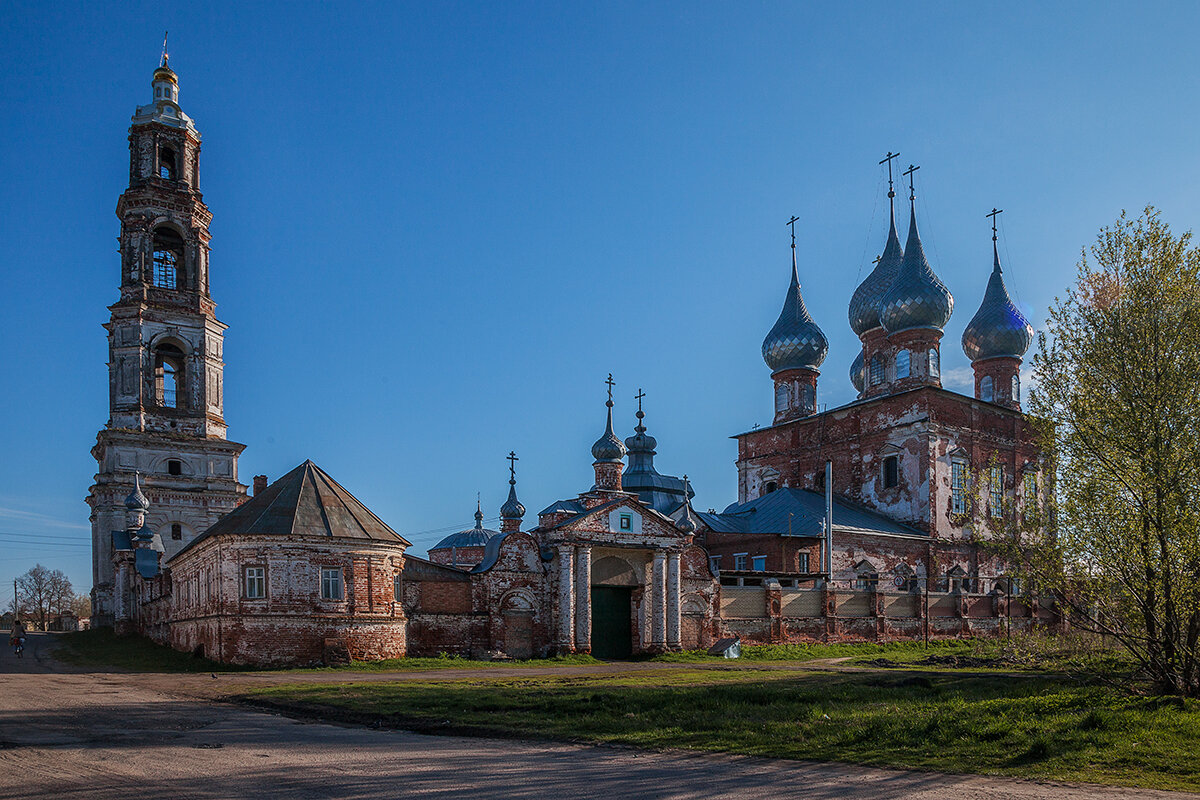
(176, 531)
(802, 562)
(759, 563)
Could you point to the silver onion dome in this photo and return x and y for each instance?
(795, 341)
(136, 501)
(608, 447)
(864, 305)
(858, 374)
(512, 508)
(917, 298)
(998, 327)
(687, 523)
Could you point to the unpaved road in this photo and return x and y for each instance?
(100, 735)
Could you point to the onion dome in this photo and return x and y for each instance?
(641, 443)
(165, 73)
(795, 342)
(864, 305)
(136, 501)
(858, 372)
(917, 297)
(998, 327)
(512, 508)
(608, 447)
(471, 537)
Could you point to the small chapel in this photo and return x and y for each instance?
(857, 523)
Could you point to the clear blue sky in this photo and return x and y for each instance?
(437, 226)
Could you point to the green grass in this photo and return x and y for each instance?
(815, 651)
(1034, 726)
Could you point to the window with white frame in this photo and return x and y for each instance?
(256, 583)
(331, 583)
(626, 522)
(714, 563)
(739, 560)
(759, 563)
(802, 562)
(996, 487)
(958, 487)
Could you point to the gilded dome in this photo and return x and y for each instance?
(917, 297)
(998, 329)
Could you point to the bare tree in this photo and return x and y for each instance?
(43, 593)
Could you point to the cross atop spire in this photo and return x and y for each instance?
(611, 383)
(512, 467)
(791, 223)
(165, 55)
(640, 428)
(995, 212)
(888, 160)
(912, 194)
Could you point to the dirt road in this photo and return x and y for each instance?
(96, 735)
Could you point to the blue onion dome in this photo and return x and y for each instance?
(917, 298)
(512, 508)
(858, 373)
(687, 523)
(795, 342)
(864, 305)
(998, 327)
(136, 501)
(641, 442)
(608, 447)
(471, 537)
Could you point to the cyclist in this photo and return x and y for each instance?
(17, 638)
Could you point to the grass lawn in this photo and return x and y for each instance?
(1035, 726)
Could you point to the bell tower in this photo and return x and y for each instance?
(165, 368)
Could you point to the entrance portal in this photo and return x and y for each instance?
(612, 626)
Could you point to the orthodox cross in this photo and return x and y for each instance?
(791, 223)
(611, 383)
(512, 465)
(639, 397)
(165, 55)
(995, 213)
(912, 195)
(888, 160)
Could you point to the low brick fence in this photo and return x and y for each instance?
(772, 615)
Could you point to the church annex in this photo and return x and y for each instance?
(855, 523)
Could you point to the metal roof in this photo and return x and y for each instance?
(304, 502)
(806, 509)
(998, 327)
(917, 297)
(864, 305)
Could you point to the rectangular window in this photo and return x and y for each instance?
(176, 531)
(1031, 494)
(891, 472)
(396, 588)
(759, 563)
(739, 560)
(626, 522)
(714, 563)
(996, 485)
(256, 583)
(802, 562)
(331, 583)
(958, 487)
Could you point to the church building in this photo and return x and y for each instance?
(857, 523)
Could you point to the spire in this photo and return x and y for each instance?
(687, 523)
(608, 448)
(512, 510)
(917, 297)
(998, 329)
(478, 513)
(165, 55)
(864, 305)
(795, 341)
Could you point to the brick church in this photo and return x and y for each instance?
(858, 522)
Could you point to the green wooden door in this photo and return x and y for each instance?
(612, 627)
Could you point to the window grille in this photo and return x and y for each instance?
(958, 487)
(986, 392)
(331, 583)
(802, 562)
(903, 362)
(996, 485)
(876, 376)
(166, 274)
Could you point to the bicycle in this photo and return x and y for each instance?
(19, 646)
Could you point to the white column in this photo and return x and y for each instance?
(566, 597)
(674, 641)
(583, 599)
(658, 591)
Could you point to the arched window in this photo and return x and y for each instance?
(808, 400)
(903, 361)
(770, 487)
(1016, 388)
(168, 259)
(985, 388)
(166, 163)
(168, 377)
(781, 397)
(877, 367)
(935, 363)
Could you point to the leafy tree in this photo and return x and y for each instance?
(1118, 394)
(43, 593)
